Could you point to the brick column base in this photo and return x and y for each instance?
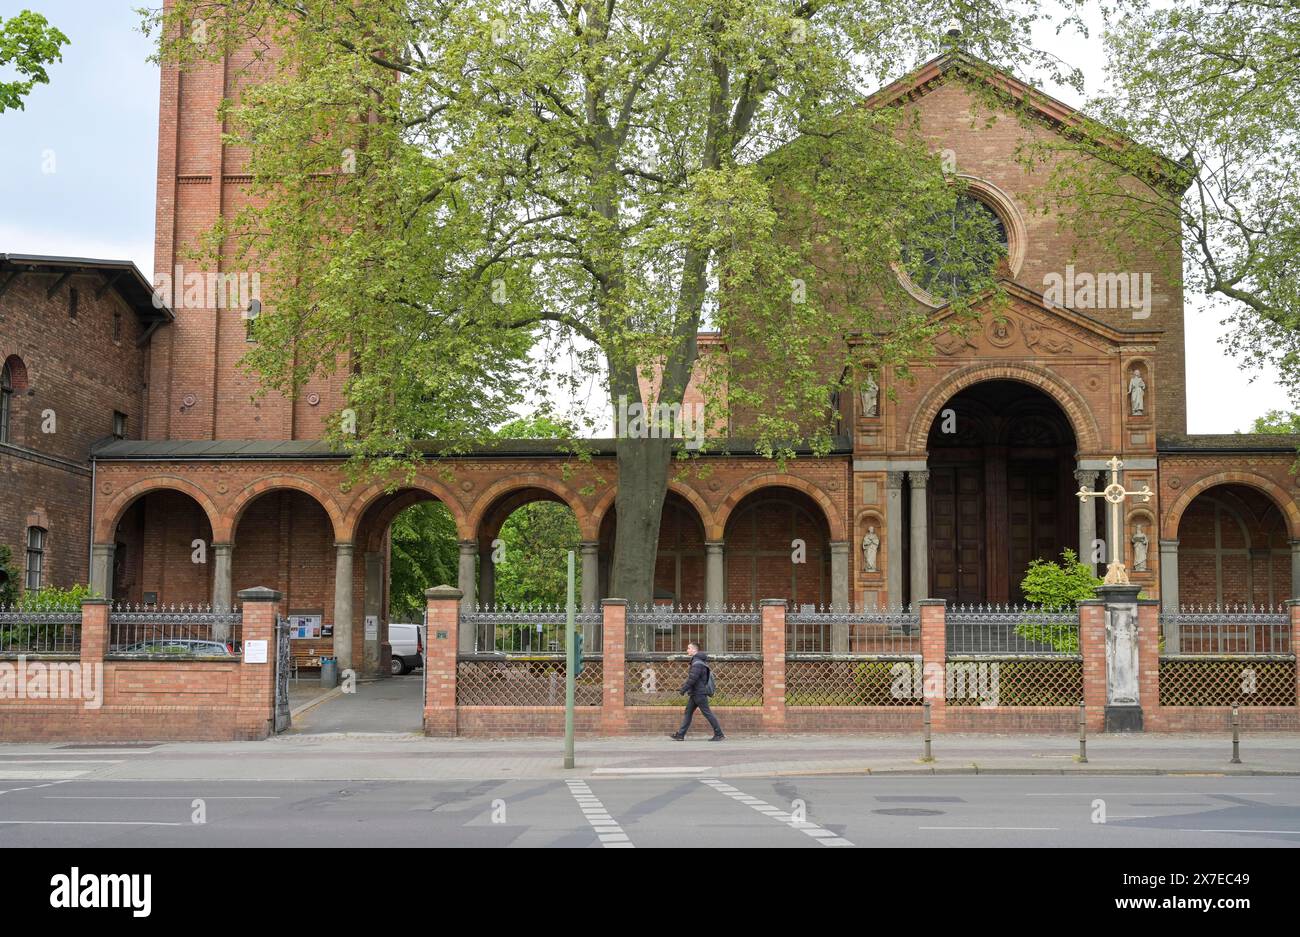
(934, 659)
(773, 628)
(440, 653)
(613, 715)
(256, 716)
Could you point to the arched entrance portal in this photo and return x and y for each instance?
(1001, 490)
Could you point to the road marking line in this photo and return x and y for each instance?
(64, 761)
(1289, 832)
(687, 769)
(201, 797)
(823, 836)
(89, 823)
(1161, 794)
(39, 775)
(606, 828)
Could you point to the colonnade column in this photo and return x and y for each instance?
(372, 609)
(920, 537)
(894, 536)
(590, 575)
(1087, 518)
(465, 580)
(343, 605)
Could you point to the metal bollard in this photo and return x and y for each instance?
(1083, 735)
(1236, 736)
(926, 724)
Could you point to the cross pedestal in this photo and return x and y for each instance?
(1123, 707)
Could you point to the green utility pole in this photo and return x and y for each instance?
(570, 670)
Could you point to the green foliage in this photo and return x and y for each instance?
(536, 540)
(1277, 422)
(424, 554)
(8, 578)
(52, 599)
(1054, 587)
(36, 635)
(28, 43)
(1212, 84)
(1057, 588)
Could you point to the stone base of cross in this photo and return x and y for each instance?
(1114, 493)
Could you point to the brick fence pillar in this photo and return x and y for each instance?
(773, 625)
(613, 715)
(934, 659)
(440, 650)
(1092, 647)
(94, 630)
(1149, 660)
(1293, 606)
(255, 718)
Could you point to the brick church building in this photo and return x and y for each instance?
(206, 494)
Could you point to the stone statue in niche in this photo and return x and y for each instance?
(1140, 544)
(1137, 393)
(871, 549)
(870, 395)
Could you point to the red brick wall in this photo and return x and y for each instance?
(76, 369)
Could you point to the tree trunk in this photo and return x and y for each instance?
(642, 486)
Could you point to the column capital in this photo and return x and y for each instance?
(714, 546)
(589, 546)
(894, 479)
(839, 546)
(918, 479)
(1087, 478)
(343, 546)
(1167, 545)
(220, 547)
(468, 547)
(110, 547)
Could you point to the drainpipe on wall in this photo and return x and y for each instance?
(90, 534)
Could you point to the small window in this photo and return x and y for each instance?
(117, 326)
(73, 299)
(119, 425)
(35, 558)
(6, 397)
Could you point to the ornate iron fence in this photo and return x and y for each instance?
(1203, 680)
(174, 631)
(890, 632)
(656, 679)
(1001, 630)
(1226, 631)
(531, 629)
(824, 680)
(662, 629)
(40, 628)
(483, 680)
(983, 680)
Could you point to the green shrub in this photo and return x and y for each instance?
(1057, 588)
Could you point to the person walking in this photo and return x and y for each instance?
(697, 689)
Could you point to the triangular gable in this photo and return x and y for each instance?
(1031, 326)
(1057, 114)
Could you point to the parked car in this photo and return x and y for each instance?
(179, 647)
(407, 641)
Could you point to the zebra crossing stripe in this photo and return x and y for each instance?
(824, 836)
(607, 829)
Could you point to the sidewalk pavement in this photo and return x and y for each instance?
(398, 756)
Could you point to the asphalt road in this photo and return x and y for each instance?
(662, 811)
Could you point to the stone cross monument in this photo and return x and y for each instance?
(1123, 708)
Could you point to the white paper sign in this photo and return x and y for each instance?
(372, 627)
(254, 652)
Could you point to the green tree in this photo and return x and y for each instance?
(8, 578)
(1277, 422)
(424, 554)
(453, 199)
(28, 43)
(1057, 588)
(1216, 84)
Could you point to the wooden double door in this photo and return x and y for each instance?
(988, 518)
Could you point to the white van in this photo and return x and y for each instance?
(408, 647)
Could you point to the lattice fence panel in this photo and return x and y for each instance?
(1014, 681)
(840, 682)
(1221, 681)
(524, 683)
(656, 682)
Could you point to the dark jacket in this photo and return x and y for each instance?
(696, 676)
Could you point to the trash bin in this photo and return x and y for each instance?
(329, 672)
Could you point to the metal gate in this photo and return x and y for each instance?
(283, 664)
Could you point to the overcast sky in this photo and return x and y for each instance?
(77, 172)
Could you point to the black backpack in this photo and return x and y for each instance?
(710, 685)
